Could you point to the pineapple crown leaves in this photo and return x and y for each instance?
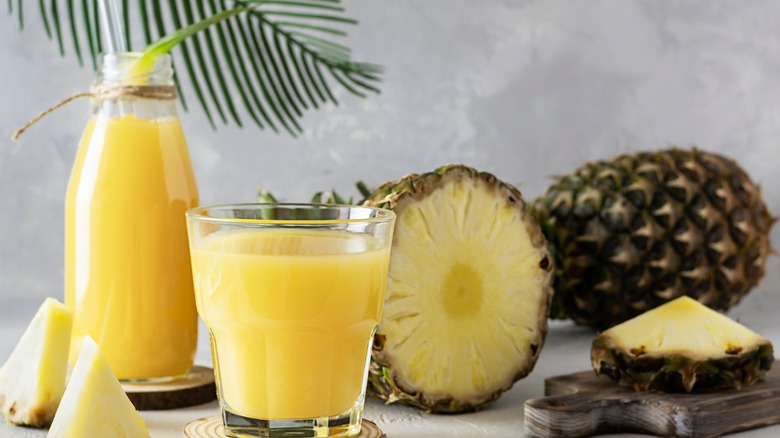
(332, 197)
(273, 58)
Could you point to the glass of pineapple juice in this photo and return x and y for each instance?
(291, 295)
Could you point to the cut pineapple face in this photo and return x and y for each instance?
(683, 326)
(32, 381)
(462, 310)
(94, 403)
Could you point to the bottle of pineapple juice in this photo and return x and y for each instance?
(291, 315)
(127, 269)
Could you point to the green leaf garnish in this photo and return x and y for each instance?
(167, 43)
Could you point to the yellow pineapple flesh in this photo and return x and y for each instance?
(94, 404)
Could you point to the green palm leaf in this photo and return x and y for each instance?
(262, 60)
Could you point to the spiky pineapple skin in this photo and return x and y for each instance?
(680, 373)
(641, 229)
(383, 382)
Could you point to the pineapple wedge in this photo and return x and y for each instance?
(94, 403)
(32, 381)
(682, 346)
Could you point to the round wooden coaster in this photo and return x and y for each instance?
(195, 388)
(212, 427)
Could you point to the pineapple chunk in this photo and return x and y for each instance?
(682, 345)
(32, 381)
(94, 403)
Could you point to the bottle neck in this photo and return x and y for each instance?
(126, 69)
(124, 87)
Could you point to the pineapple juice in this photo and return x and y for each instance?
(291, 314)
(128, 275)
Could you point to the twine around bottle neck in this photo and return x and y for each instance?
(106, 92)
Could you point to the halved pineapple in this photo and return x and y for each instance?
(94, 403)
(32, 381)
(465, 312)
(682, 346)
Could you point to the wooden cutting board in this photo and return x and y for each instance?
(583, 404)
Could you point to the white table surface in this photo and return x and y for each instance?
(566, 350)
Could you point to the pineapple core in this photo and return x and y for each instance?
(683, 326)
(463, 293)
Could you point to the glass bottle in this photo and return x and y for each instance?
(127, 267)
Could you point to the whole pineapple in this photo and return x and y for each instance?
(639, 230)
(468, 291)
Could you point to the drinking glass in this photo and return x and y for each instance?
(291, 295)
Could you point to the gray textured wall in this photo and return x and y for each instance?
(524, 89)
